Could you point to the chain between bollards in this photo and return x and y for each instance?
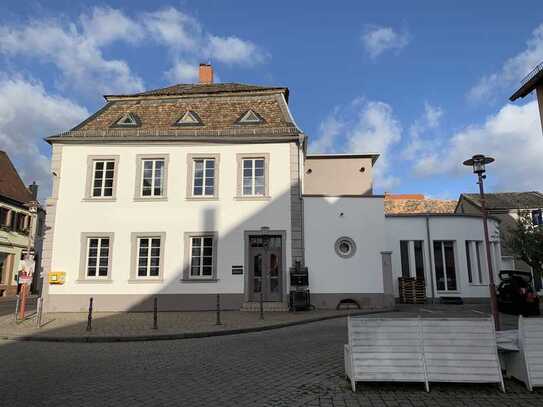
(218, 310)
(261, 304)
(155, 313)
(89, 319)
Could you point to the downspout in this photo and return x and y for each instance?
(430, 258)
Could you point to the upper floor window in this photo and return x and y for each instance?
(253, 176)
(103, 176)
(152, 173)
(204, 177)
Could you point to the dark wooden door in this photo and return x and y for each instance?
(265, 268)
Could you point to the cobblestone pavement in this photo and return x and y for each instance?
(295, 366)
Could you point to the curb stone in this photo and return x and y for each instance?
(186, 335)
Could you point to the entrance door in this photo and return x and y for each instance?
(265, 267)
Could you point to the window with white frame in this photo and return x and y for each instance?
(148, 259)
(445, 267)
(103, 176)
(201, 256)
(98, 257)
(152, 177)
(203, 183)
(254, 180)
(475, 261)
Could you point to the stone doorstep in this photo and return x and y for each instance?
(254, 306)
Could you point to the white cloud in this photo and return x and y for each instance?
(430, 120)
(76, 49)
(512, 136)
(378, 39)
(174, 28)
(363, 127)
(512, 71)
(27, 114)
(232, 50)
(183, 72)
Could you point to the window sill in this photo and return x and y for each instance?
(202, 198)
(94, 281)
(449, 292)
(152, 199)
(99, 199)
(252, 198)
(199, 280)
(145, 281)
(478, 284)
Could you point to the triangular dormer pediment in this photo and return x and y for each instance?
(250, 117)
(127, 120)
(190, 118)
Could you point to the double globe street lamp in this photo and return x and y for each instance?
(478, 162)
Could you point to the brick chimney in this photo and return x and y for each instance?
(206, 74)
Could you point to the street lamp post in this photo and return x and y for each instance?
(478, 162)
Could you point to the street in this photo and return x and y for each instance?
(301, 365)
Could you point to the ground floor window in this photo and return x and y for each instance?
(98, 249)
(445, 268)
(475, 261)
(412, 258)
(148, 256)
(201, 259)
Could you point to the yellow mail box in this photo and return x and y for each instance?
(57, 277)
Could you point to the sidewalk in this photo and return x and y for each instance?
(113, 327)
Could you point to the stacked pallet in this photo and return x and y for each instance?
(411, 290)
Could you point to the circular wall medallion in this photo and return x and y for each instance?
(345, 247)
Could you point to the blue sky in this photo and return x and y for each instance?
(424, 83)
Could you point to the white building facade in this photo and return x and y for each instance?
(191, 191)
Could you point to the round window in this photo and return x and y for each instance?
(345, 247)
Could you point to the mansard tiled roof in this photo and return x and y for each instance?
(508, 200)
(11, 184)
(218, 106)
(419, 206)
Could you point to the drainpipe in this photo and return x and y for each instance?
(430, 258)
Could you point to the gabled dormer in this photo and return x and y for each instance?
(127, 120)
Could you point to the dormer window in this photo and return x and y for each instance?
(190, 118)
(250, 117)
(128, 120)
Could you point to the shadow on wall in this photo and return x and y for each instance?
(181, 293)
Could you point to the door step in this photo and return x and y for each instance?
(274, 306)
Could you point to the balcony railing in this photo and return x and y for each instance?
(532, 73)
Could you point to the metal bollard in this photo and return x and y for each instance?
(155, 314)
(89, 319)
(39, 312)
(261, 304)
(17, 309)
(218, 310)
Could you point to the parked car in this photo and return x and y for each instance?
(516, 294)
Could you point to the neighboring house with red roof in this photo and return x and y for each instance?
(17, 225)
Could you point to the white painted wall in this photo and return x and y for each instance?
(363, 221)
(456, 228)
(229, 217)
